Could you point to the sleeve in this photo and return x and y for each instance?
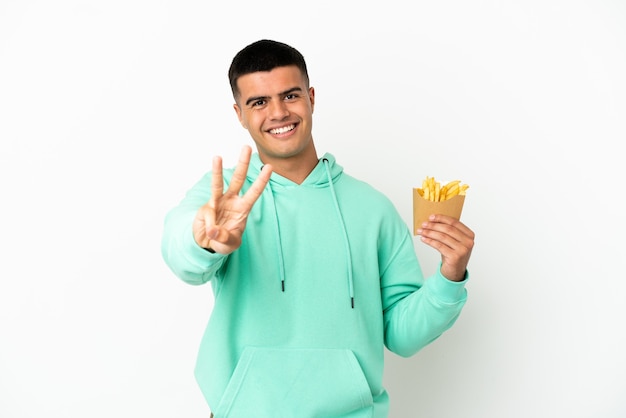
(416, 311)
(187, 260)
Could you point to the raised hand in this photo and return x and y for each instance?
(453, 240)
(220, 223)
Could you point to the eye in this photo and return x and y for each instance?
(258, 103)
(291, 96)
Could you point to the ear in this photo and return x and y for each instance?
(312, 98)
(240, 115)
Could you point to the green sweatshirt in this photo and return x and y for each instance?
(325, 278)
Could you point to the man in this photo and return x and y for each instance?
(313, 271)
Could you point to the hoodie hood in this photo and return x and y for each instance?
(324, 175)
(319, 177)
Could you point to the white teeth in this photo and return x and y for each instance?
(282, 130)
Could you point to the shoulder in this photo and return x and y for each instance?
(361, 189)
(361, 199)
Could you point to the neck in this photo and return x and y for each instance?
(296, 168)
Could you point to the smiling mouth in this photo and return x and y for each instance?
(282, 130)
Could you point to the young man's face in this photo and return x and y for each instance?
(276, 108)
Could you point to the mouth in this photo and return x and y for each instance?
(282, 129)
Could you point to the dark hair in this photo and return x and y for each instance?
(264, 55)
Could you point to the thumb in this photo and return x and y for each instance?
(212, 232)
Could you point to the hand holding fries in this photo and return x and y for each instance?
(436, 218)
(453, 240)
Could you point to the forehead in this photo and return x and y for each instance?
(268, 83)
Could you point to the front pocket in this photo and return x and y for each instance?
(302, 383)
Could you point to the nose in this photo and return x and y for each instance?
(278, 110)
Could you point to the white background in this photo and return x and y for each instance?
(111, 110)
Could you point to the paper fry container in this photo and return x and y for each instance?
(423, 208)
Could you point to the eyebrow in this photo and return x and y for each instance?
(284, 93)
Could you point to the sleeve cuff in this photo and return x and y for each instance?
(446, 290)
(198, 253)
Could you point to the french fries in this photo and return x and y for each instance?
(433, 190)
